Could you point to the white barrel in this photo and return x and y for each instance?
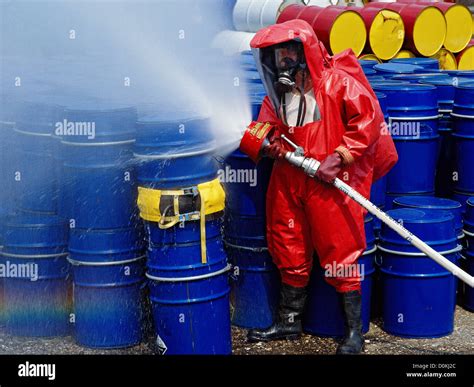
(232, 42)
(239, 14)
(252, 15)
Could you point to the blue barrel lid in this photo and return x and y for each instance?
(468, 85)
(415, 77)
(432, 203)
(369, 72)
(387, 82)
(408, 215)
(397, 68)
(427, 63)
(375, 78)
(98, 122)
(173, 133)
(367, 63)
(460, 73)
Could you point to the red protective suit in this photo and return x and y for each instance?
(304, 214)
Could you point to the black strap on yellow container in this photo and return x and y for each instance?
(212, 197)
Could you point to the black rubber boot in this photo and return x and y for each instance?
(288, 323)
(353, 342)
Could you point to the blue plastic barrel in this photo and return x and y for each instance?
(324, 315)
(190, 299)
(469, 252)
(413, 124)
(36, 297)
(433, 204)
(425, 63)
(108, 302)
(418, 292)
(463, 115)
(255, 290)
(35, 179)
(99, 174)
(174, 151)
(391, 69)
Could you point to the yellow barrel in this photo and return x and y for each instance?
(459, 25)
(386, 31)
(466, 58)
(425, 26)
(405, 54)
(370, 57)
(447, 60)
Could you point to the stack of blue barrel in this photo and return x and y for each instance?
(181, 202)
(418, 293)
(324, 314)
(256, 279)
(105, 245)
(463, 138)
(468, 261)
(36, 288)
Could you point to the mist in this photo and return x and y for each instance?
(152, 55)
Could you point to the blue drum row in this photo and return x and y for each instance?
(73, 166)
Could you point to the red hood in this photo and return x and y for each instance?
(316, 54)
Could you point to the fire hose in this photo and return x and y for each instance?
(254, 144)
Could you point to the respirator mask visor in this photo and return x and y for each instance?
(288, 61)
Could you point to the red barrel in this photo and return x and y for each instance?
(337, 27)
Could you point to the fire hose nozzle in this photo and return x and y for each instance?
(255, 139)
(296, 158)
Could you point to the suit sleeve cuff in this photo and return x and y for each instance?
(346, 155)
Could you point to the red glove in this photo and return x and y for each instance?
(275, 149)
(330, 168)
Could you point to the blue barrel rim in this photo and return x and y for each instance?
(190, 279)
(408, 201)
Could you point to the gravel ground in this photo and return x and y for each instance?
(377, 342)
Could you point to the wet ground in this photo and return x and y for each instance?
(461, 341)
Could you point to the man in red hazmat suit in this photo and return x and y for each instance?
(325, 105)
